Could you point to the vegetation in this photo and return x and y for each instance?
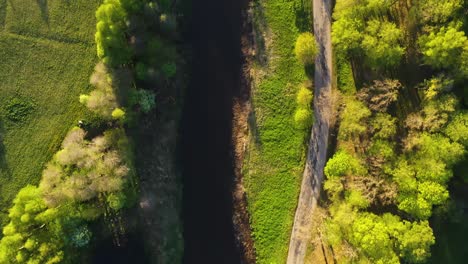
(306, 48)
(276, 155)
(89, 176)
(40, 76)
(399, 138)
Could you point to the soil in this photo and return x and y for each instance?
(242, 110)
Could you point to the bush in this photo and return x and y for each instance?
(306, 48)
(118, 113)
(117, 200)
(18, 110)
(146, 99)
(169, 70)
(303, 118)
(304, 97)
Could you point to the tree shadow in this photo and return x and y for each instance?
(303, 11)
(3, 163)
(43, 6)
(259, 29)
(253, 126)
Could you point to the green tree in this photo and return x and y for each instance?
(342, 164)
(436, 11)
(110, 37)
(383, 126)
(381, 44)
(370, 235)
(442, 49)
(306, 48)
(457, 129)
(353, 119)
(35, 234)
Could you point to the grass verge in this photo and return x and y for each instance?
(275, 159)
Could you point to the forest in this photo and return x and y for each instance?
(253, 131)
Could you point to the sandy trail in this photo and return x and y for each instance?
(316, 156)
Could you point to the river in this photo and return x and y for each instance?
(207, 158)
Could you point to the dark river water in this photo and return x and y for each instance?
(206, 132)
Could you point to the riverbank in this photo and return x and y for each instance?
(276, 151)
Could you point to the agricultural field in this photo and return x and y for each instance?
(48, 54)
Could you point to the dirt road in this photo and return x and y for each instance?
(316, 156)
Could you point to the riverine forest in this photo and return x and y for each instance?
(234, 131)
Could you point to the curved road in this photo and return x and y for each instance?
(316, 156)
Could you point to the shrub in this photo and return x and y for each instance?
(117, 200)
(18, 110)
(306, 48)
(169, 70)
(118, 113)
(303, 118)
(304, 97)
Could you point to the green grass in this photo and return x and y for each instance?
(64, 20)
(41, 80)
(274, 164)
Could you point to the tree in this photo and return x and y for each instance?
(457, 129)
(342, 164)
(34, 234)
(346, 34)
(370, 235)
(414, 243)
(101, 100)
(434, 115)
(383, 126)
(380, 95)
(146, 99)
(306, 48)
(436, 11)
(110, 37)
(83, 169)
(381, 44)
(443, 48)
(436, 86)
(353, 119)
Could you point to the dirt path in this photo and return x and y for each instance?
(316, 156)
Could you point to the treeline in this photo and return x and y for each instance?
(399, 136)
(92, 175)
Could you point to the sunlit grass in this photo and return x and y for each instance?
(41, 80)
(274, 166)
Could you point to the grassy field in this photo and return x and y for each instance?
(274, 164)
(41, 79)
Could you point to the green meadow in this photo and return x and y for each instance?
(47, 55)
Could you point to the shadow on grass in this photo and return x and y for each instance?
(259, 28)
(3, 163)
(253, 126)
(43, 6)
(303, 9)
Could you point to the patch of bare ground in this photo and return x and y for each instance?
(240, 138)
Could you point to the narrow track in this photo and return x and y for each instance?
(317, 151)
